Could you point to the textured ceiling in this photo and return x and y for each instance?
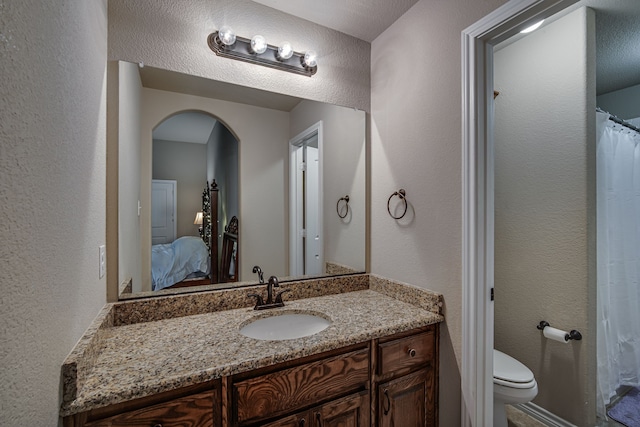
(363, 19)
(186, 127)
(617, 43)
(617, 29)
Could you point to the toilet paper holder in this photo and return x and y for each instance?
(572, 335)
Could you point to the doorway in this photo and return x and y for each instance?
(305, 200)
(478, 197)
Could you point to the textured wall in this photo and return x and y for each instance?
(545, 209)
(173, 35)
(622, 103)
(52, 195)
(416, 145)
(344, 166)
(128, 128)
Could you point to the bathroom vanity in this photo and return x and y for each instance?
(375, 365)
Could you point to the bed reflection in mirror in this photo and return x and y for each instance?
(255, 171)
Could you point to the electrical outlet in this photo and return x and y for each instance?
(102, 266)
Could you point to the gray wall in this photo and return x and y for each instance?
(416, 145)
(224, 161)
(185, 163)
(223, 166)
(52, 195)
(128, 128)
(624, 103)
(344, 163)
(545, 209)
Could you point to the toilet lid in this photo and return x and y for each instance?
(508, 369)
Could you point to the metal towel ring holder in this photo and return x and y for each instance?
(403, 196)
(346, 203)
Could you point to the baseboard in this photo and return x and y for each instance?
(542, 415)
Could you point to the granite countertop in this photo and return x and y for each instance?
(141, 359)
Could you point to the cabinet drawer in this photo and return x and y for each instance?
(403, 355)
(291, 389)
(193, 411)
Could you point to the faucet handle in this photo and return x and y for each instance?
(279, 296)
(273, 280)
(258, 298)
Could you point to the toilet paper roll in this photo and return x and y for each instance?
(555, 334)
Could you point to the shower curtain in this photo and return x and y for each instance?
(618, 254)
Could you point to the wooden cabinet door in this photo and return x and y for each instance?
(193, 411)
(298, 420)
(350, 411)
(408, 401)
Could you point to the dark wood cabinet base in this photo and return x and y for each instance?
(391, 381)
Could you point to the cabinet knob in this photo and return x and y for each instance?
(318, 419)
(303, 422)
(157, 425)
(412, 352)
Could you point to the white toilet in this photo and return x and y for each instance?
(512, 383)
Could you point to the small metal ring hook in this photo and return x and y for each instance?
(403, 196)
(346, 203)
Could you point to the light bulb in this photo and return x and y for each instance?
(532, 28)
(310, 59)
(285, 51)
(227, 36)
(258, 44)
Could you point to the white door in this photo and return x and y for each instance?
(163, 211)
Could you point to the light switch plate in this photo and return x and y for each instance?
(102, 267)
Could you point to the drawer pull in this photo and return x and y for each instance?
(157, 425)
(318, 419)
(386, 406)
(302, 422)
(412, 352)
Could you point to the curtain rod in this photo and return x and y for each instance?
(618, 120)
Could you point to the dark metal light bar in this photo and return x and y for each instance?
(241, 50)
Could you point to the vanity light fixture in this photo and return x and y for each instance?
(285, 51)
(227, 44)
(310, 59)
(258, 45)
(226, 36)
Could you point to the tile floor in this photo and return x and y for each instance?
(517, 418)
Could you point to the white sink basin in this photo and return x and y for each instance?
(285, 326)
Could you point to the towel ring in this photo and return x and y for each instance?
(346, 204)
(403, 196)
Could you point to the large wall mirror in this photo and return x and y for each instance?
(214, 179)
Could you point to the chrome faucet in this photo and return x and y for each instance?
(258, 270)
(270, 303)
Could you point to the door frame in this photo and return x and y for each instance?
(294, 219)
(478, 197)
